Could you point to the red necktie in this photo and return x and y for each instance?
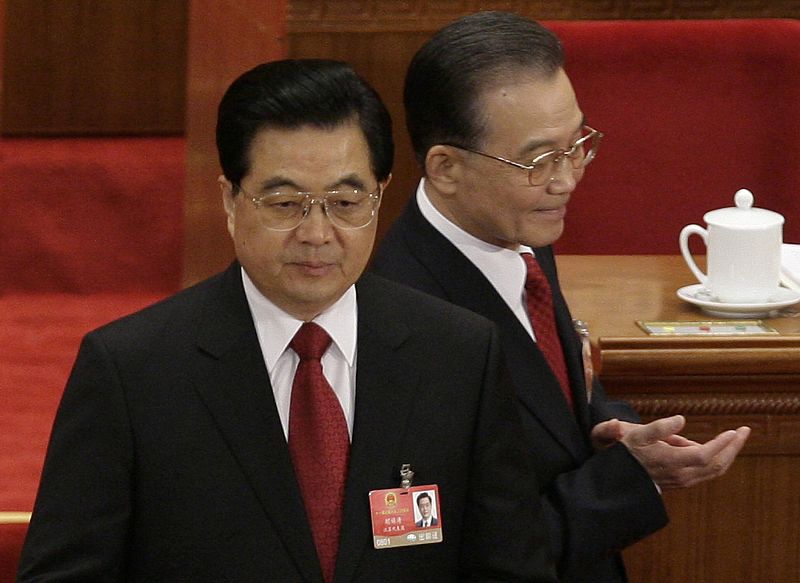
(319, 444)
(543, 319)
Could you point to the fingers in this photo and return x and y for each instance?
(703, 453)
(655, 431)
(724, 458)
(606, 433)
(680, 441)
(722, 450)
(676, 462)
(610, 432)
(671, 460)
(610, 429)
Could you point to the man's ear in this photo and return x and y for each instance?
(443, 168)
(384, 184)
(228, 202)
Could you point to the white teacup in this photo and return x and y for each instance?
(743, 251)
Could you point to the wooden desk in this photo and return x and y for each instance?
(744, 526)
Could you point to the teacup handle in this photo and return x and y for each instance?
(687, 232)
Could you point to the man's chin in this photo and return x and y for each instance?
(544, 236)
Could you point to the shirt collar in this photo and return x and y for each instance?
(276, 328)
(503, 267)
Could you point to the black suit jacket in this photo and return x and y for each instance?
(434, 522)
(596, 503)
(168, 461)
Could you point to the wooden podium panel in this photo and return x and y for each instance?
(225, 40)
(744, 526)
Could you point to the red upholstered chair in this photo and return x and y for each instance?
(87, 215)
(693, 111)
(90, 229)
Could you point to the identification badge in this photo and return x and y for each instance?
(405, 516)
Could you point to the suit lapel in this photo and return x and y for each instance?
(234, 385)
(385, 385)
(463, 283)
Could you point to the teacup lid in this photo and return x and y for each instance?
(743, 214)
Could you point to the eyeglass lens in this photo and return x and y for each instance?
(346, 209)
(581, 153)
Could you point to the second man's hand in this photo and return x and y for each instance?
(671, 460)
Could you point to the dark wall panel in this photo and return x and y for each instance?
(94, 67)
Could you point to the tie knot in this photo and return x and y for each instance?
(535, 278)
(310, 342)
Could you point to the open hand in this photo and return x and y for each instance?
(671, 460)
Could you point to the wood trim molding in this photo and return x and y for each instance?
(429, 15)
(747, 404)
(688, 355)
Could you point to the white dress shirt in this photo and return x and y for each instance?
(276, 328)
(504, 268)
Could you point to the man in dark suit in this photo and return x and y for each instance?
(238, 430)
(425, 505)
(502, 142)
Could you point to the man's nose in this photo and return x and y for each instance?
(316, 227)
(565, 178)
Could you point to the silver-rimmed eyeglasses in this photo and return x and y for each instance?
(346, 208)
(543, 167)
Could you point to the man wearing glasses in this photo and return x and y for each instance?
(264, 425)
(502, 142)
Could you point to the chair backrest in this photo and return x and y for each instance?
(91, 214)
(693, 111)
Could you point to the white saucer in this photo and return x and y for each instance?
(696, 294)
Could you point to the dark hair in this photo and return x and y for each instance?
(424, 495)
(292, 93)
(448, 75)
